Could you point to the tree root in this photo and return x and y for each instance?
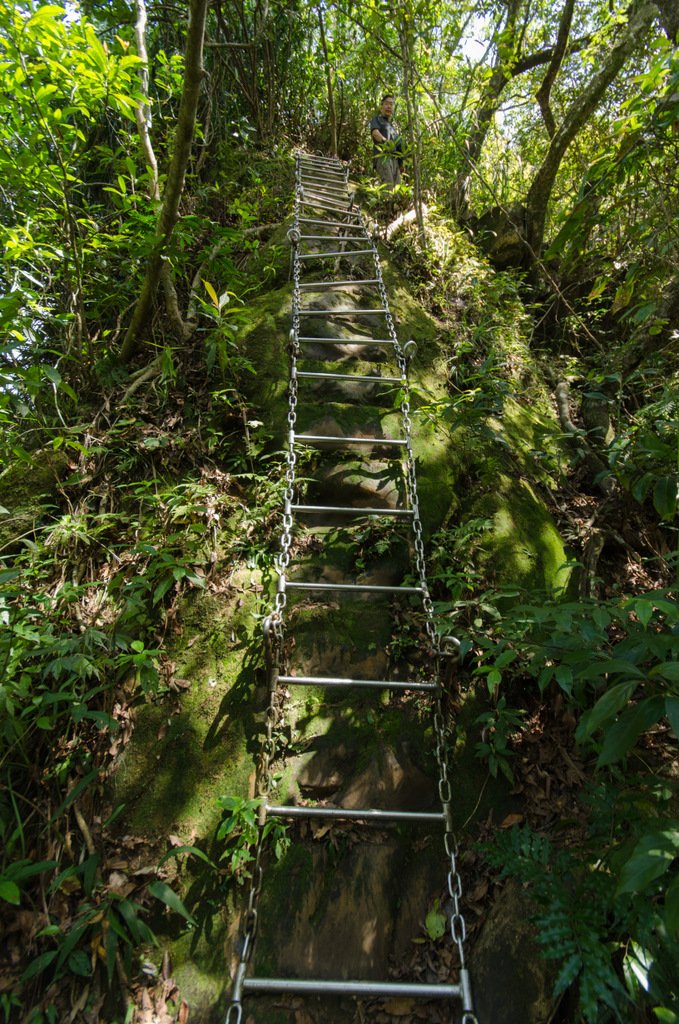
(596, 468)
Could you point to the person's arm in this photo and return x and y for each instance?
(377, 135)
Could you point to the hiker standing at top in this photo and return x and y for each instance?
(386, 144)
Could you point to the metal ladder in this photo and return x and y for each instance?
(329, 228)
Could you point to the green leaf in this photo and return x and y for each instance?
(672, 712)
(162, 588)
(200, 854)
(611, 666)
(435, 923)
(169, 897)
(672, 907)
(650, 859)
(79, 963)
(665, 1016)
(75, 792)
(38, 965)
(9, 892)
(494, 679)
(606, 707)
(644, 611)
(668, 670)
(564, 677)
(665, 497)
(621, 737)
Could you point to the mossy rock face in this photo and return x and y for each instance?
(192, 747)
(513, 981)
(24, 491)
(522, 547)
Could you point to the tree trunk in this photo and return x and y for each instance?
(183, 140)
(544, 92)
(669, 16)
(328, 78)
(413, 121)
(143, 115)
(584, 105)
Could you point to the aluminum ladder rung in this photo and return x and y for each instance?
(341, 312)
(321, 285)
(347, 341)
(349, 588)
(346, 212)
(376, 684)
(333, 238)
(318, 204)
(350, 510)
(327, 255)
(314, 186)
(354, 989)
(326, 223)
(314, 159)
(326, 197)
(376, 442)
(353, 814)
(363, 378)
(333, 169)
(323, 178)
(324, 173)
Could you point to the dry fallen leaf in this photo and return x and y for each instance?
(401, 1007)
(511, 819)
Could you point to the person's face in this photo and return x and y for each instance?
(387, 108)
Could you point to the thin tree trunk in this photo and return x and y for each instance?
(328, 77)
(183, 140)
(181, 329)
(544, 92)
(143, 109)
(413, 121)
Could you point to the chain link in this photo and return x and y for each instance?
(274, 632)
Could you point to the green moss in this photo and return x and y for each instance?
(263, 341)
(25, 491)
(190, 748)
(199, 970)
(534, 439)
(285, 885)
(523, 547)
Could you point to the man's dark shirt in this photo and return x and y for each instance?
(384, 127)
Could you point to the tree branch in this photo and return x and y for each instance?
(640, 16)
(544, 92)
